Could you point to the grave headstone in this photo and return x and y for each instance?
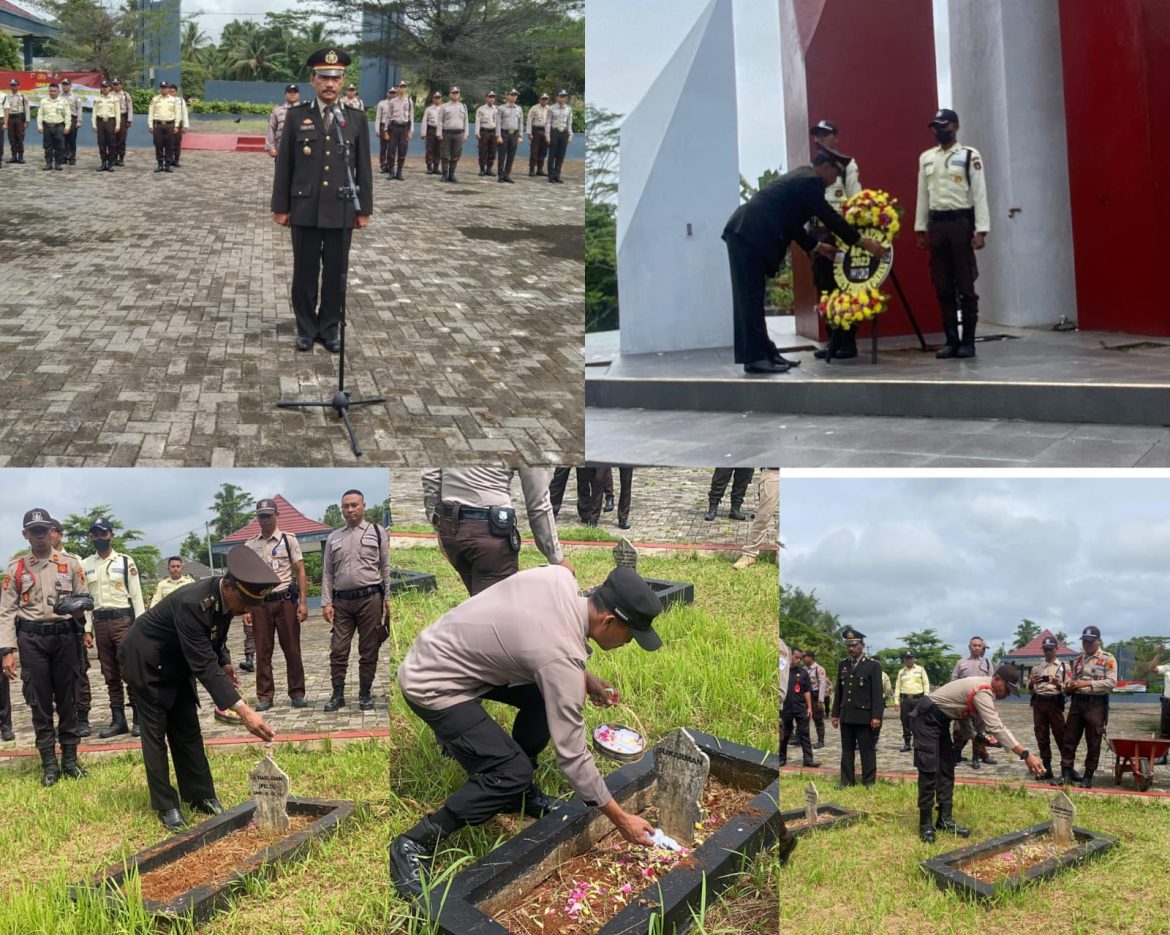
(811, 800)
(269, 785)
(1063, 812)
(625, 555)
(682, 770)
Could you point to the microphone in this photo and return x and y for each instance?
(337, 115)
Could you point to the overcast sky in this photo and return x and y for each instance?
(166, 504)
(627, 45)
(975, 556)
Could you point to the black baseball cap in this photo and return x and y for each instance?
(634, 603)
(265, 506)
(254, 578)
(1011, 675)
(1091, 633)
(944, 116)
(291, 88)
(101, 525)
(825, 126)
(37, 517)
(1049, 642)
(14, 83)
(55, 525)
(908, 655)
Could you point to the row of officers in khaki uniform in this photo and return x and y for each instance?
(55, 606)
(445, 126)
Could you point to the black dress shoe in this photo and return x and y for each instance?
(608, 507)
(299, 703)
(784, 360)
(263, 705)
(765, 365)
(623, 524)
(845, 353)
(173, 819)
(821, 354)
(332, 345)
(6, 734)
(210, 806)
(304, 343)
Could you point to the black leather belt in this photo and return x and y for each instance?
(285, 595)
(912, 697)
(956, 215)
(399, 123)
(1093, 697)
(357, 593)
(111, 614)
(465, 512)
(53, 628)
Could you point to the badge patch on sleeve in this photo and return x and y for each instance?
(978, 164)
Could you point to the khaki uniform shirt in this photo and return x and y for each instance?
(114, 582)
(845, 187)
(354, 101)
(106, 105)
(560, 117)
(52, 111)
(163, 109)
(74, 104)
(527, 629)
(970, 666)
(169, 585)
(1101, 667)
(182, 118)
(431, 116)
(17, 104)
(1057, 673)
(511, 117)
(31, 587)
(275, 125)
(912, 681)
(401, 110)
(819, 679)
(126, 105)
(354, 558)
(278, 555)
(487, 117)
(452, 118)
(538, 117)
(487, 487)
(382, 115)
(952, 699)
(943, 185)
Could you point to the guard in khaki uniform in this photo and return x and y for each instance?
(167, 649)
(351, 98)
(52, 120)
(401, 130)
(272, 135)
(963, 701)
(16, 117)
(1046, 682)
(452, 134)
(953, 221)
(560, 135)
(126, 111)
(842, 341)
(182, 121)
(471, 510)
(382, 128)
(910, 686)
(46, 641)
(85, 643)
(764, 527)
(310, 193)
(538, 115)
(430, 132)
(1092, 677)
(857, 708)
(75, 112)
(787, 839)
(117, 601)
(523, 642)
(107, 121)
(283, 611)
(487, 119)
(819, 679)
(511, 124)
(162, 117)
(169, 585)
(355, 579)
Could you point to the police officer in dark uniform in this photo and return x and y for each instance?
(796, 711)
(181, 639)
(34, 622)
(857, 708)
(310, 193)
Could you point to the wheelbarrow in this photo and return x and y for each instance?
(1136, 755)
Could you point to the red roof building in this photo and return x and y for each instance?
(1033, 653)
(288, 519)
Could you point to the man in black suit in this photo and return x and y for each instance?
(310, 193)
(857, 708)
(181, 639)
(758, 235)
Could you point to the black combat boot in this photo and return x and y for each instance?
(249, 663)
(1087, 781)
(160, 168)
(6, 733)
(407, 853)
(83, 728)
(1047, 774)
(967, 342)
(947, 823)
(925, 827)
(952, 346)
(338, 699)
(736, 511)
(69, 765)
(117, 723)
(365, 701)
(135, 731)
(50, 772)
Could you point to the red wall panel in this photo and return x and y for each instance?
(870, 68)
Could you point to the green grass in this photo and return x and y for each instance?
(865, 878)
(60, 836)
(716, 672)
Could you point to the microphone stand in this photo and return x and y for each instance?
(341, 402)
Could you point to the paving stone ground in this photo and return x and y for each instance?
(284, 718)
(667, 505)
(1125, 718)
(144, 320)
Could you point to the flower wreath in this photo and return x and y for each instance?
(874, 214)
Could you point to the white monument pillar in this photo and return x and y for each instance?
(678, 182)
(1008, 91)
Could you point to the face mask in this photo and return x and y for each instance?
(103, 545)
(944, 136)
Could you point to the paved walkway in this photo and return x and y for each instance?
(282, 716)
(1124, 719)
(667, 505)
(144, 320)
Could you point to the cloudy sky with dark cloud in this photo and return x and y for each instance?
(975, 556)
(167, 504)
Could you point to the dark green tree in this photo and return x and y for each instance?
(1025, 633)
(931, 653)
(232, 508)
(11, 58)
(94, 36)
(75, 538)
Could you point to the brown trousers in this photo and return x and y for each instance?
(120, 141)
(450, 151)
(487, 149)
(480, 558)
(398, 145)
(363, 616)
(953, 270)
(433, 147)
(538, 151)
(1086, 716)
(16, 127)
(108, 636)
(1047, 715)
(164, 142)
(271, 621)
(107, 139)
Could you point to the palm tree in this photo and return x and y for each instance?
(253, 58)
(193, 42)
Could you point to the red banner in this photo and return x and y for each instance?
(86, 84)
